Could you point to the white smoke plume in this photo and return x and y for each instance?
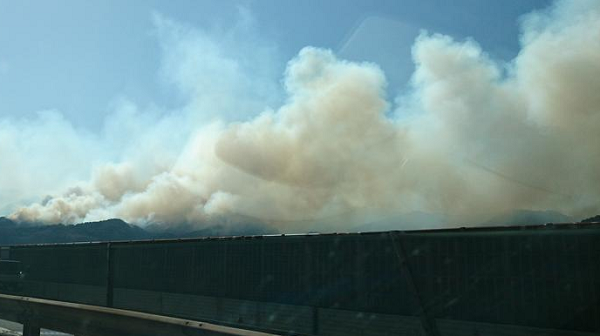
(473, 139)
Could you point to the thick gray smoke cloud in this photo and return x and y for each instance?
(474, 138)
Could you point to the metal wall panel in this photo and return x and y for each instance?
(547, 277)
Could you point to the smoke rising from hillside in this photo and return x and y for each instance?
(474, 138)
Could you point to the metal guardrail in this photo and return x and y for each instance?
(88, 320)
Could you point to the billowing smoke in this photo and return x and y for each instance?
(473, 138)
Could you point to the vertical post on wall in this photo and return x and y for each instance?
(31, 328)
(315, 320)
(427, 320)
(109, 275)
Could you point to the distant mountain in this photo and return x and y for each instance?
(6, 223)
(415, 220)
(113, 229)
(215, 231)
(12, 233)
(232, 225)
(528, 217)
(595, 219)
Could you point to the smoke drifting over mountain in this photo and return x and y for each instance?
(474, 137)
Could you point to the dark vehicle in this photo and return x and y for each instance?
(11, 275)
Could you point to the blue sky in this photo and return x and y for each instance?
(80, 57)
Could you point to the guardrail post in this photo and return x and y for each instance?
(31, 328)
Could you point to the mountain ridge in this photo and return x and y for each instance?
(14, 233)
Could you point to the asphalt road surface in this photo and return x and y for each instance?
(8, 328)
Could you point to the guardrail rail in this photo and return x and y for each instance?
(88, 320)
